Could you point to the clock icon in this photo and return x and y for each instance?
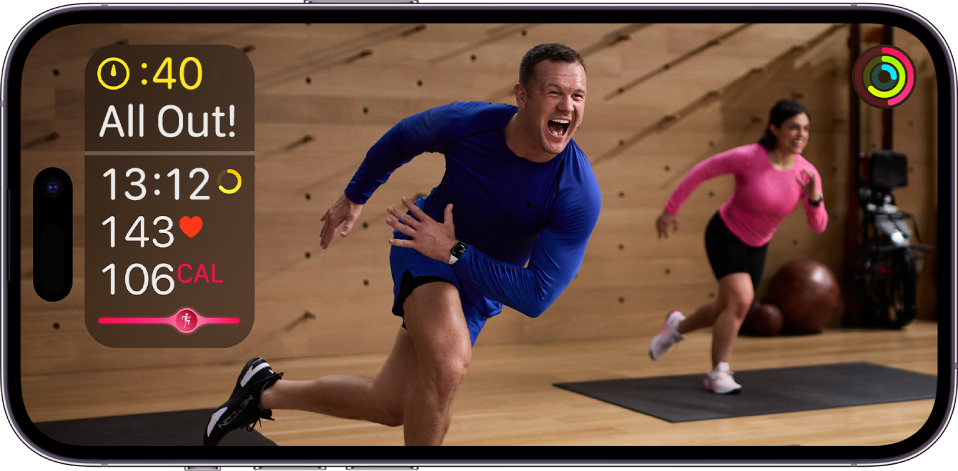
(113, 73)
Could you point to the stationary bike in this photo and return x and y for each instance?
(883, 270)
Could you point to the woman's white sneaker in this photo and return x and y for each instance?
(720, 381)
(668, 336)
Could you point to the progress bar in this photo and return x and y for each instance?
(186, 320)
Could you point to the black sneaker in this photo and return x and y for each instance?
(243, 409)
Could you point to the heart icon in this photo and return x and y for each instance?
(191, 225)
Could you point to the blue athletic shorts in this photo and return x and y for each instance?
(411, 269)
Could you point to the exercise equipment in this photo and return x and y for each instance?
(807, 293)
(763, 319)
(885, 267)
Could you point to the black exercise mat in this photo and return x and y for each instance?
(179, 428)
(771, 391)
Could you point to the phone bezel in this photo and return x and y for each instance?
(419, 13)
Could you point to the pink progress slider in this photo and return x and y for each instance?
(186, 320)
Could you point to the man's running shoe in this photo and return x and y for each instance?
(243, 409)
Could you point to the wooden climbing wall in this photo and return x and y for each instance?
(661, 97)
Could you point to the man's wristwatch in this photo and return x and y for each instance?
(456, 252)
(817, 203)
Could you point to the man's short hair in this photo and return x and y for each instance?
(546, 52)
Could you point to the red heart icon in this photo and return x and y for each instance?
(191, 225)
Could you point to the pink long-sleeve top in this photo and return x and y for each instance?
(763, 196)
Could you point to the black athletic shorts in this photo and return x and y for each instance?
(728, 254)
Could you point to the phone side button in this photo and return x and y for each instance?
(287, 468)
(202, 468)
(6, 239)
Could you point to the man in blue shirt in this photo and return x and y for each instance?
(525, 202)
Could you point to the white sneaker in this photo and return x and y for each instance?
(668, 336)
(720, 381)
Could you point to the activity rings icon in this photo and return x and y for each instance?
(219, 181)
(884, 76)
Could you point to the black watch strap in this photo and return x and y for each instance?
(817, 203)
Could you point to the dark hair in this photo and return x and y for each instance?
(546, 52)
(782, 110)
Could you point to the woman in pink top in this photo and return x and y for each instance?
(771, 179)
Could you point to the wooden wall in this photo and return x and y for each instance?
(660, 99)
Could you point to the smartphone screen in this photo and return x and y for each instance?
(180, 180)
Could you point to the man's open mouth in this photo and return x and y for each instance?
(558, 127)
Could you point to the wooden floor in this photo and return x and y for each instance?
(508, 397)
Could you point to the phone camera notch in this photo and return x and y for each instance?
(52, 234)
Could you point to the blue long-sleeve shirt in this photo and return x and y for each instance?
(508, 209)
